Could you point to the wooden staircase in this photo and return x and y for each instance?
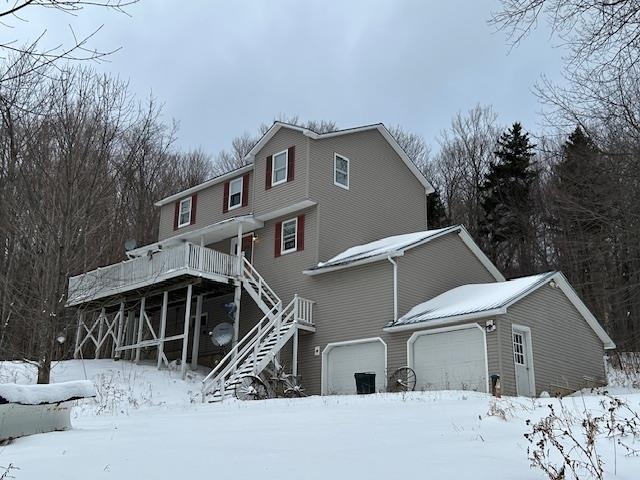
(260, 346)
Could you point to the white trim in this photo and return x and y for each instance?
(467, 326)
(462, 233)
(249, 223)
(335, 171)
(295, 237)
(446, 320)
(203, 315)
(281, 212)
(529, 346)
(378, 126)
(273, 168)
(202, 186)
(465, 236)
(180, 212)
(239, 204)
(330, 346)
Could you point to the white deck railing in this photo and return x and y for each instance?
(142, 271)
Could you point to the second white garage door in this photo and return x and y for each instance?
(342, 360)
(449, 360)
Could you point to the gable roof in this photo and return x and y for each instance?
(395, 246)
(476, 301)
(249, 158)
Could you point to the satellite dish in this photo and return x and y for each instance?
(130, 244)
(222, 334)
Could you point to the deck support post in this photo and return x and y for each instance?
(294, 360)
(196, 333)
(163, 327)
(76, 350)
(140, 327)
(237, 295)
(101, 319)
(120, 331)
(130, 328)
(185, 338)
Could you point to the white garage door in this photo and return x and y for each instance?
(343, 360)
(449, 360)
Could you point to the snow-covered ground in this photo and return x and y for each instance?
(150, 424)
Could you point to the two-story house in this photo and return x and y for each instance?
(317, 251)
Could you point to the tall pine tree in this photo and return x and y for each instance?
(436, 213)
(506, 227)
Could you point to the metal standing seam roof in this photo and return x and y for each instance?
(470, 299)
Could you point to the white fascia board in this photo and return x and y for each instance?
(428, 188)
(281, 212)
(362, 261)
(202, 186)
(440, 322)
(573, 297)
(465, 236)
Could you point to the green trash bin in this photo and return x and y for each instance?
(365, 382)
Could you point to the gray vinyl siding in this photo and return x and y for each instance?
(287, 193)
(567, 354)
(208, 211)
(427, 271)
(384, 197)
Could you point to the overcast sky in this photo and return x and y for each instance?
(222, 67)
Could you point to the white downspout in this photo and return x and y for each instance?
(395, 287)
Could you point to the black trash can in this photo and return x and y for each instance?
(365, 382)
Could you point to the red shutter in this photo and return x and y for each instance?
(278, 242)
(225, 199)
(176, 214)
(245, 190)
(300, 233)
(268, 173)
(194, 207)
(291, 163)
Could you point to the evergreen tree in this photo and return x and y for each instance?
(436, 213)
(506, 227)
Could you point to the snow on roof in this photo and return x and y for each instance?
(380, 247)
(470, 299)
(50, 393)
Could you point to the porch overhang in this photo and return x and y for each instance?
(213, 233)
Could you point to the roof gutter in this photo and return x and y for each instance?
(446, 320)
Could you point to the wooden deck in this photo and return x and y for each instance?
(141, 272)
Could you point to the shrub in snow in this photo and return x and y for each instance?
(565, 446)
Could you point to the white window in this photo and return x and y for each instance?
(235, 193)
(279, 168)
(289, 236)
(518, 349)
(341, 171)
(184, 216)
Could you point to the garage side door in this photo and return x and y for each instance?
(451, 360)
(342, 361)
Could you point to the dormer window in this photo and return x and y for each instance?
(235, 193)
(279, 168)
(184, 217)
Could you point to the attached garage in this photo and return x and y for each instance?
(340, 361)
(453, 358)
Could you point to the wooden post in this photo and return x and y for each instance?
(78, 332)
(196, 334)
(294, 360)
(163, 327)
(101, 318)
(140, 327)
(131, 327)
(185, 338)
(120, 330)
(236, 317)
